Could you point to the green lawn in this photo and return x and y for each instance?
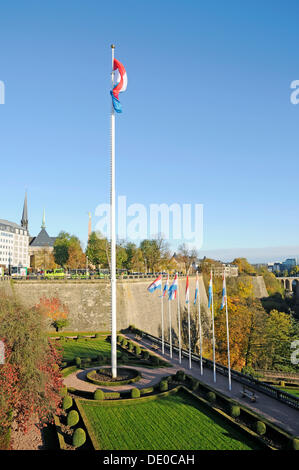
(293, 391)
(81, 348)
(174, 422)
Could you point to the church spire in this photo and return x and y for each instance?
(44, 220)
(24, 221)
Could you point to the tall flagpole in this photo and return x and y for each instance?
(113, 236)
(227, 333)
(189, 335)
(179, 326)
(200, 334)
(213, 329)
(170, 332)
(162, 315)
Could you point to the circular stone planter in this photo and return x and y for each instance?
(103, 376)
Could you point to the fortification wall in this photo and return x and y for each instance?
(259, 287)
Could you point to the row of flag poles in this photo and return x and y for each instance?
(173, 293)
(119, 83)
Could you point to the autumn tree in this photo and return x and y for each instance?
(30, 379)
(97, 250)
(55, 310)
(68, 251)
(187, 256)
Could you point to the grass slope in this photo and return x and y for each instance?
(293, 391)
(86, 348)
(175, 422)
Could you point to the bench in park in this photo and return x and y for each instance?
(138, 337)
(154, 346)
(246, 392)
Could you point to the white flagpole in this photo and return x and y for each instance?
(170, 332)
(213, 328)
(227, 332)
(189, 334)
(113, 237)
(200, 334)
(162, 316)
(179, 326)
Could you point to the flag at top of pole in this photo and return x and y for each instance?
(196, 289)
(223, 302)
(187, 291)
(121, 81)
(173, 288)
(210, 290)
(157, 284)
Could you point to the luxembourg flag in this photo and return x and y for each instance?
(166, 286)
(173, 289)
(196, 289)
(210, 290)
(157, 284)
(187, 291)
(121, 84)
(223, 302)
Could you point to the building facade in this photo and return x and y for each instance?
(14, 245)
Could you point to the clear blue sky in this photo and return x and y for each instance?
(207, 114)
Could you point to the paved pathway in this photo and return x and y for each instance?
(280, 414)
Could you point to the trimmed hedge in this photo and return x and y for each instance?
(111, 395)
(145, 354)
(63, 392)
(295, 443)
(78, 361)
(260, 428)
(180, 376)
(135, 393)
(99, 394)
(79, 437)
(235, 411)
(163, 386)
(67, 402)
(145, 391)
(90, 377)
(211, 397)
(72, 418)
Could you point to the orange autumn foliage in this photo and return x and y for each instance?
(53, 308)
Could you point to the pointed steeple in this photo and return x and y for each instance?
(44, 220)
(24, 221)
(89, 224)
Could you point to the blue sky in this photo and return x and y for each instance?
(207, 113)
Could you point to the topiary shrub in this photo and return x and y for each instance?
(130, 346)
(137, 350)
(211, 397)
(180, 376)
(78, 361)
(135, 393)
(193, 384)
(154, 360)
(99, 394)
(63, 392)
(163, 386)
(67, 402)
(119, 338)
(145, 354)
(235, 411)
(72, 418)
(124, 342)
(79, 437)
(260, 428)
(295, 443)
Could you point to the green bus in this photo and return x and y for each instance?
(54, 274)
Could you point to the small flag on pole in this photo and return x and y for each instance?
(210, 290)
(223, 294)
(196, 289)
(121, 84)
(166, 286)
(157, 284)
(173, 289)
(187, 291)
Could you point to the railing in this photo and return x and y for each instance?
(280, 395)
(67, 277)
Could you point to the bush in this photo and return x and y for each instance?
(180, 376)
(145, 391)
(63, 392)
(124, 342)
(163, 386)
(78, 361)
(67, 402)
(193, 384)
(79, 437)
(235, 411)
(211, 397)
(137, 350)
(119, 338)
(63, 364)
(295, 443)
(155, 360)
(145, 354)
(260, 428)
(97, 335)
(111, 395)
(135, 393)
(130, 346)
(72, 418)
(99, 394)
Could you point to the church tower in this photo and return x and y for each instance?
(24, 221)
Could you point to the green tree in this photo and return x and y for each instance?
(98, 250)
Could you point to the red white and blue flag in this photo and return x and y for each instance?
(196, 290)
(210, 290)
(157, 284)
(121, 84)
(166, 286)
(173, 288)
(223, 302)
(187, 291)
